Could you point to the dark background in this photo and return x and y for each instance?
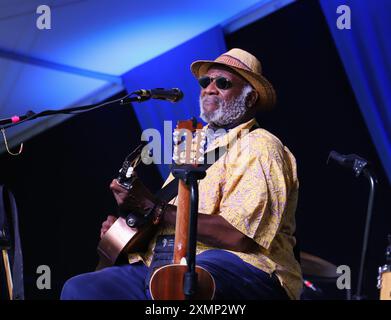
(61, 180)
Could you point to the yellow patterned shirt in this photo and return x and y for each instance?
(254, 187)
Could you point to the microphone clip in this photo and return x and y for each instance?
(359, 165)
(352, 161)
(137, 98)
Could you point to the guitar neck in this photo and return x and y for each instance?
(182, 222)
(188, 150)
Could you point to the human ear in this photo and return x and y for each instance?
(252, 98)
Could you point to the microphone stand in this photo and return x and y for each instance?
(31, 115)
(360, 166)
(372, 183)
(190, 175)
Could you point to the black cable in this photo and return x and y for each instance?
(73, 110)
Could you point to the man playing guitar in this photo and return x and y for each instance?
(247, 201)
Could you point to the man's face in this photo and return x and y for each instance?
(223, 106)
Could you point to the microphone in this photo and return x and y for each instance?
(350, 161)
(173, 95)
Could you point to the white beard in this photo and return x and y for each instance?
(227, 111)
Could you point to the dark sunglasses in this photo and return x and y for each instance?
(221, 82)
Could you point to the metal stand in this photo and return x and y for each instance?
(190, 175)
(359, 166)
(31, 115)
(372, 180)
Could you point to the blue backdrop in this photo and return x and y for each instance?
(172, 70)
(365, 50)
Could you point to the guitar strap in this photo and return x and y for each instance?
(170, 191)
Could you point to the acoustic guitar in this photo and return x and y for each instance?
(130, 232)
(167, 282)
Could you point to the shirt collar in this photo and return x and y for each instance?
(222, 137)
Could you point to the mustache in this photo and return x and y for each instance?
(210, 99)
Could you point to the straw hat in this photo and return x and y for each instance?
(248, 66)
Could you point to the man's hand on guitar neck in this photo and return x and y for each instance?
(138, 199)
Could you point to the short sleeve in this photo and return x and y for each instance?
(255, 192)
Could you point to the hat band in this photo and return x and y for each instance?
(232, 61)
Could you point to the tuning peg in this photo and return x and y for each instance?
(129, 172)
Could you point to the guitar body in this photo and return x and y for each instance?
(167, 283)
(120, 240)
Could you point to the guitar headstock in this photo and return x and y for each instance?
(126, 173)
(189, 141)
